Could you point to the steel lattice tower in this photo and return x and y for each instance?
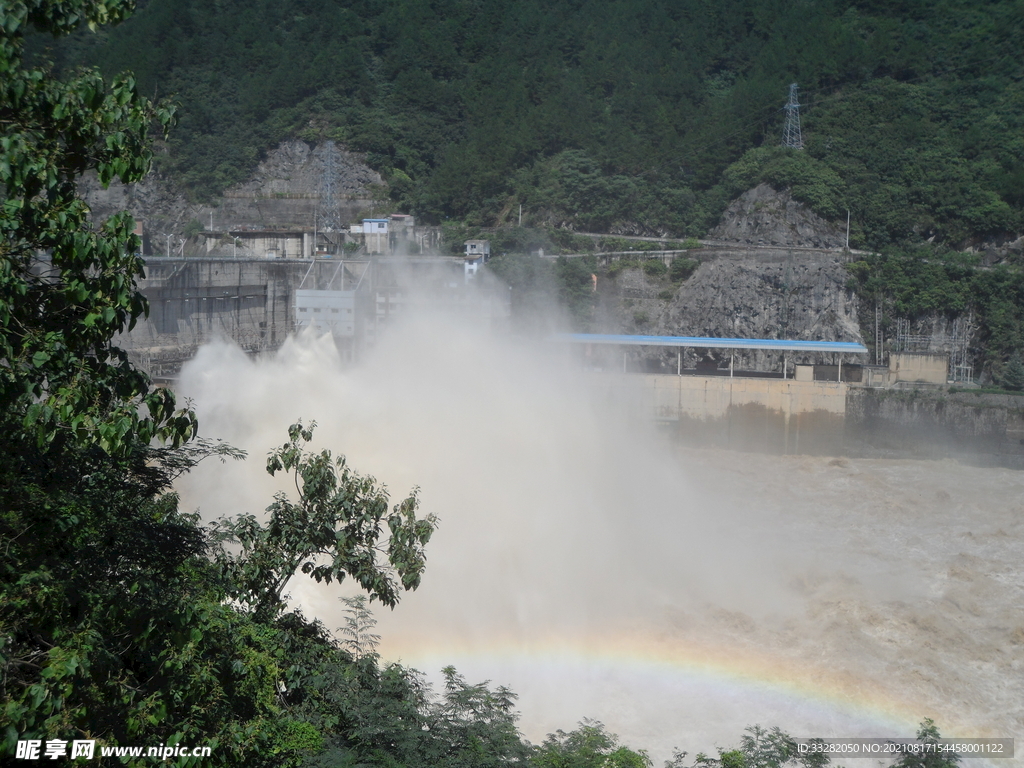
(791, 136)
(330, 220)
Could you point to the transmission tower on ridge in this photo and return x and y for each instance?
(791, 136)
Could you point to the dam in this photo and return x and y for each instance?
(826, 401)
(258, 303)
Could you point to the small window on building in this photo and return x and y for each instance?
(317, 309)
(303, 310)
(334, 311)
(380, 226)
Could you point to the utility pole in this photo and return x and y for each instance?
(878, 332)
(791, 136)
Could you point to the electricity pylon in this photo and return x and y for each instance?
(330, 219)
(791, 136)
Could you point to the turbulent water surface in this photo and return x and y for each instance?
(677, 595)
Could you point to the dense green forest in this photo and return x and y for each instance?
(626, 116)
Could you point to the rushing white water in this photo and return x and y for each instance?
(677, 595)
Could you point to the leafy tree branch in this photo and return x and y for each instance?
(334, 530)
(67, 287)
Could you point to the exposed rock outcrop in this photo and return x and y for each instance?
(153, 201)
(295, 168)
(285, 190)
(998, 249)
(766, 216)
(767, 294)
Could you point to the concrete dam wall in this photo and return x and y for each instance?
(936, 423)
(193, 301)
(825, 417)
(253, 302)
(752, 414)
(257, 303)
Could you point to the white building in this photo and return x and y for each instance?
(375, 235)
(332, 311)
(477, 253)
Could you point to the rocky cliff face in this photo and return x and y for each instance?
(998, 249)
(766, 216)
(764, 294)
(284, 191)
(153, 201)
(295, 168)
(789, 292)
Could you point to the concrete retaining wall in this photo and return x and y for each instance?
(768, 415)
(979, 428)
(826, 417)
(711, 397)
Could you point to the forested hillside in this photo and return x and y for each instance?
(628, 116)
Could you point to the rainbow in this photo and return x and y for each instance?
(761, 676)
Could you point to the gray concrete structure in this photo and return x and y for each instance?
(257, 303)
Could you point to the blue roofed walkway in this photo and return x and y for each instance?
(705, 342)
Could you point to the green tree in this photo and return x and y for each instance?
(333, 531)
(623, 117)
(474, 726)
(66, 287)
(682, 268)
(359, 638)
(931, 756)
(1013, 373)
(589, 746)
(760, 748)
(114, 625)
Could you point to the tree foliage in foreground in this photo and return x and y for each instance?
(115, 622)
(332, 532)
(122, 619)
(66, 287)
(589, 746)
(759, 748)
(119, 621)
(928, 734)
